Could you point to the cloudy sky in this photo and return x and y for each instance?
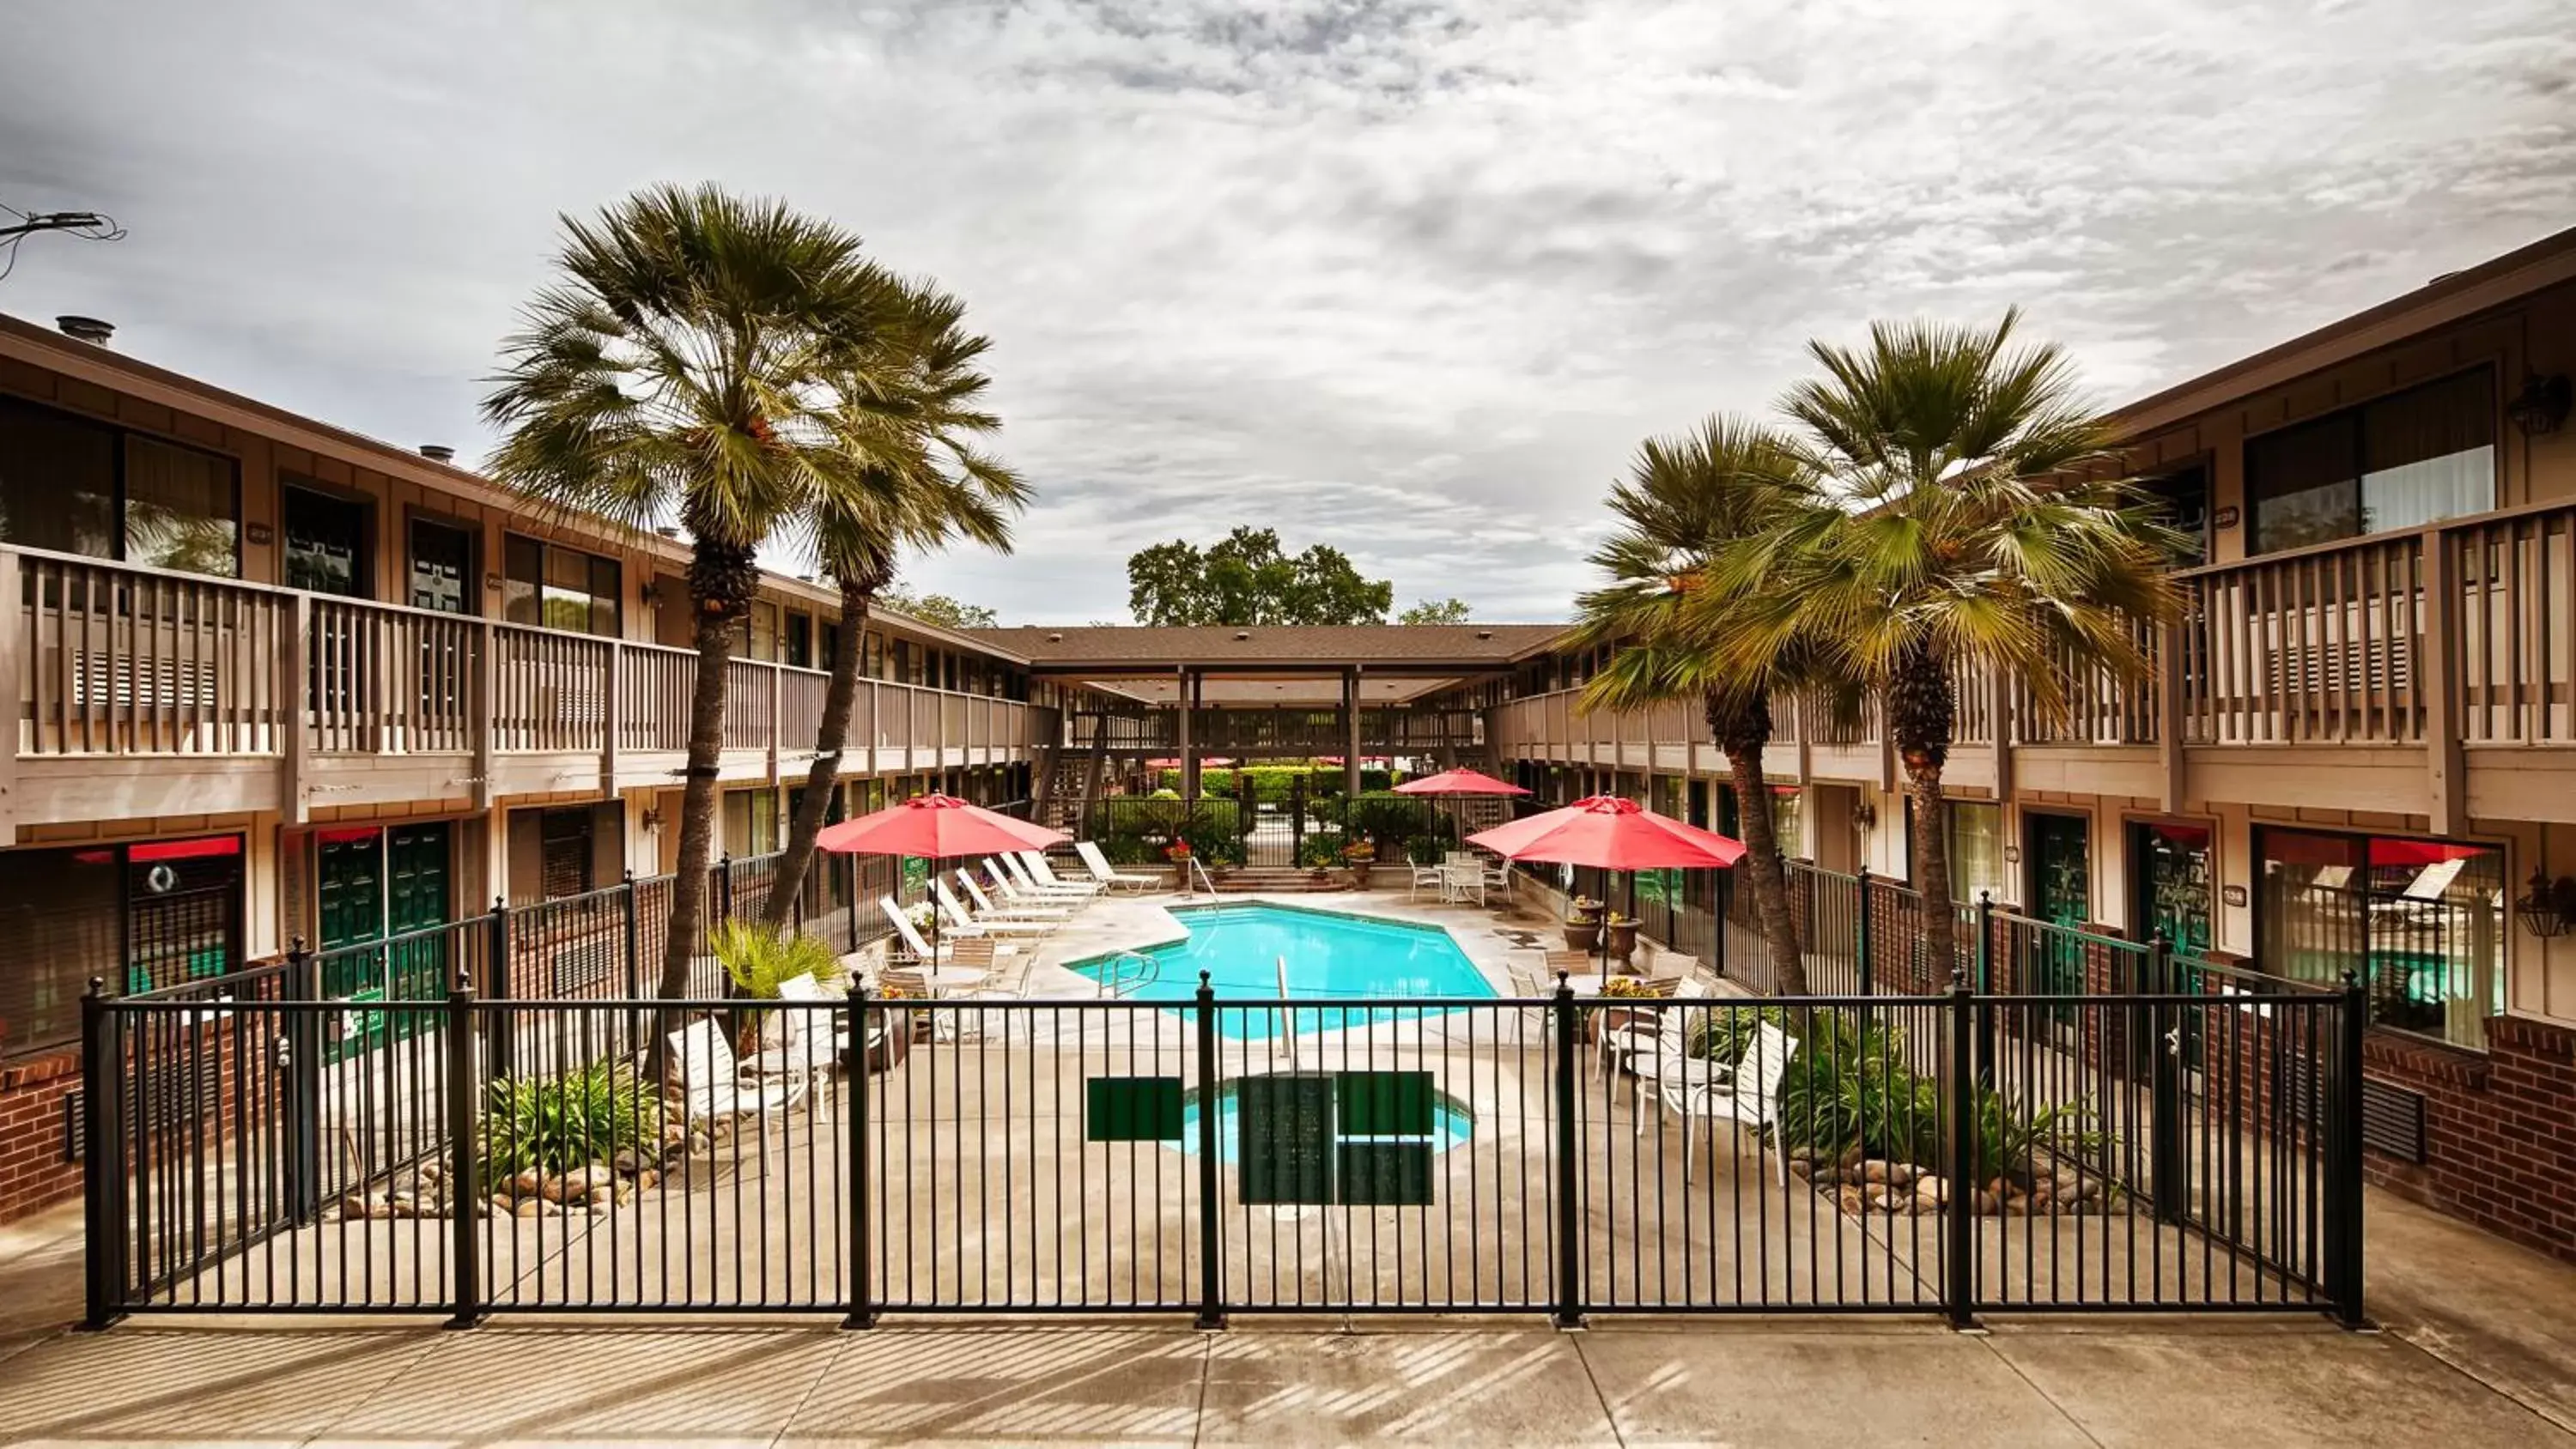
(1411, 278)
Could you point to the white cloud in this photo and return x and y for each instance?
(1410, 278)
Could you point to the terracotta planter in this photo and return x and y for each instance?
(1360, 870)
(1623, 940)
(1582, 935)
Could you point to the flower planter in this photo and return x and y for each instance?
(1582, 935)
(1623, 940)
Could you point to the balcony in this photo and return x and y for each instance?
(246, 697)
(1279, 732)
(2430, 672)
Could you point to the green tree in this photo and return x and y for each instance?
(1424, 611)
(1973, 513)
(1245, 578)
(930, 484)
(940, 609)
(1687, 500)
(697, 360)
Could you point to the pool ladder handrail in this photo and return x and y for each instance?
(1287, 1018)
(1199, 868)
(1117, 979)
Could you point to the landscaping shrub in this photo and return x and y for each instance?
(555, 1124)
(759, 959)
(1320, 848)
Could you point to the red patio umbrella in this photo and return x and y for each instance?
(1611, 833)
(934, 827)
(1459, 782)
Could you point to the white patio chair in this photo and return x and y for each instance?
(956, 919)
(1015, 898)
(1750, 1096)
(1109, 877)
(1436, 877)
(1041, 874)
(1011, 878)
(918, 949)
(713, 1084)
(801, 1042)
(987, 912)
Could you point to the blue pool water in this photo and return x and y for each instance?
(1329, 955)
(1453, 1122)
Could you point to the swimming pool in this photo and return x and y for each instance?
(1329, 956)
(1453, 1122)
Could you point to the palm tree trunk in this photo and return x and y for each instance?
(1741, 728)
(1919, 710)
(721, 579)
(840, 697)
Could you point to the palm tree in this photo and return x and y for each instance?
(695, 362)
(929, 485)
(1974, 514)
(1687, 499)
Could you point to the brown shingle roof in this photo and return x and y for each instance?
(1291, 645)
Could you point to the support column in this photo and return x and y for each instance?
(1185, 701)
(1351, 733)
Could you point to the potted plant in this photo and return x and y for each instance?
(1583, 924)
(1361, 856)
(1623, 935)
(1178, 853)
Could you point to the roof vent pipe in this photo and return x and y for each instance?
(1241, 634)
(91, 330)
(438, 452)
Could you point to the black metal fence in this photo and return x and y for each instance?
(1954, 1153)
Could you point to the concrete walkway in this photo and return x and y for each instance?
(2477, 1350)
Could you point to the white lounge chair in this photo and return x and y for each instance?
(956, 919)
(802, 1041)
(1012, 879)
(1041, 873)
(1750, 1096)
(986, 911)
(918, 949)
(713, 1084)
(1109, 877)
(1018, 903)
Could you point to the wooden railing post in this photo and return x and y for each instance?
(2437, 687)
(2169, 714)
(777, 719)
(482, 719)
(294, 697)
(612, 715)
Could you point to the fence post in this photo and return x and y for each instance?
(2168, 1166)
(2344, 1161)
(303, 1086)
(496, 986)
(1211, 1235)
(1569, 1185)
(723, 892)
(854, 1071)
(1860, 934)
(106, 1253)
(465, 1205)
(1959, 1204)
(634, 940)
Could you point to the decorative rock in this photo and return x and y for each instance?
(628, 1161)
(529, 1183)
(1987, 1202)
(355, 1205)
(429, 1172)
(501, 1206)
(1894, 1174)
(1850, 1200)
(1852, 1158)
(530, 1206)
(1930, 1190)
(645, 1179)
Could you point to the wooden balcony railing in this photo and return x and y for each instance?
(2453, 634)
(107, 659)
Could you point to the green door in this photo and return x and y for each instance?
(2061, 894)
(416, 900)
(2172, 872)
(349, 899)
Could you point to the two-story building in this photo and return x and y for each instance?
(2357, 752)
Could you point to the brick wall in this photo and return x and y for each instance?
(34, 1172)
(2499, 1129)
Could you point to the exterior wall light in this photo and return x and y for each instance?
(2541, 405)
(2549, 907)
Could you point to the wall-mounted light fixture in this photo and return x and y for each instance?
(2548, 908)
(650, 819)
(2541, 405)
(1865, 815)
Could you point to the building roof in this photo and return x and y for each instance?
(1431, 648)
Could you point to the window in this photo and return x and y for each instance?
(1788, 820)
(758, 638)
(324, 542)
(170, 911)
(2414, 457)
(2181, 502)
(75, 486)
(2420, 922)
(1974, 832)
(551, 587)
(750, 822)
(564, 855)
(798, 642)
